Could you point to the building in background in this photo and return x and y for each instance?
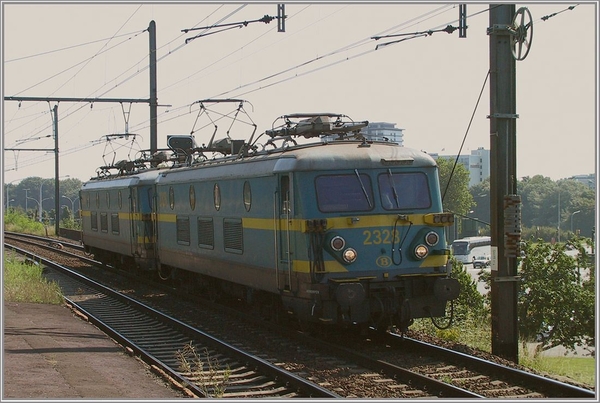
(383, 131)
(589, 180)
(478, 164)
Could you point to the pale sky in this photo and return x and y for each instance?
(324, 62)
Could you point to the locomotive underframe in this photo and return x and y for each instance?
(380, 304)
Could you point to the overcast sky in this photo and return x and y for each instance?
(325, 61)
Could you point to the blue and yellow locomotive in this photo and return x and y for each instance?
(339, 231)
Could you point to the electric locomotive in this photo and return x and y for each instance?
(341, 231)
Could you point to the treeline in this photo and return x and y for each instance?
(33, 193)
(550, 210)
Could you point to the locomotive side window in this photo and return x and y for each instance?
(120, 200)
(107, 199)
(97, 199)
(217, 196)
(407, 190)
(247, 196)
(171, 197)
(192, 197)
(340, 193)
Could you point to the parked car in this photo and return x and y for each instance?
(479, 262)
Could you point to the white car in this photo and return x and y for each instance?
(481, 262)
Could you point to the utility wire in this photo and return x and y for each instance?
(466, 133)
(318, 58)
(182, 107)
(146, 67)
(66, 48)
(413, 21)
(546, 17)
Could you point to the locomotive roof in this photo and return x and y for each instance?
(313, 157)
(148, 177)
(334, 155)
(356, 155)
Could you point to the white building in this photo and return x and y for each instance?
(478, 164)
(383, 131)
(589, 180)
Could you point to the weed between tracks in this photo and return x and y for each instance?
(204, 370)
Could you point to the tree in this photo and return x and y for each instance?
(30, 188)
(481, 209)
(470, 302)
(546, 203)
(556, 304)
(538, 201)
(454, 187)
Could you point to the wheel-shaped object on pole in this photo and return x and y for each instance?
(521, 33)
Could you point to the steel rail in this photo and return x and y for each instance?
(547, 384)
(306, 387)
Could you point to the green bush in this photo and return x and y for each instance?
(25, 282)
(17, 221)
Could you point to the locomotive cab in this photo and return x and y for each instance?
(373, 232)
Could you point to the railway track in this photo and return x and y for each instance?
(205, 365)
(393, 355)
(392, 368)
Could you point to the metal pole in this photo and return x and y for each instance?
(558, 217)
(40, 202)
(56, 178)
(503, 181)
(575, 212)
(153, 90)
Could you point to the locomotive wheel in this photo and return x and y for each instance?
(378, 317)
(164, 273)
(307, 327)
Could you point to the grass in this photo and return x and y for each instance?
(24, 282)
(477, 334)
(17, 221)
(580, 369)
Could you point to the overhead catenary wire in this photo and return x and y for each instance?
(67, 48)
(69, 111)
(176, 109)
(466, 134)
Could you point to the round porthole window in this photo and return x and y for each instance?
(247, 196)
(192, 197)
(171, 197)
(217, 196)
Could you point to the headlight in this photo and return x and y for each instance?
(337, 243)
(432, 238)
(349, 255)
(421, 251)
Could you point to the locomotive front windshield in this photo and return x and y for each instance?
(354, 192)
(339, 193)
(400, 191)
